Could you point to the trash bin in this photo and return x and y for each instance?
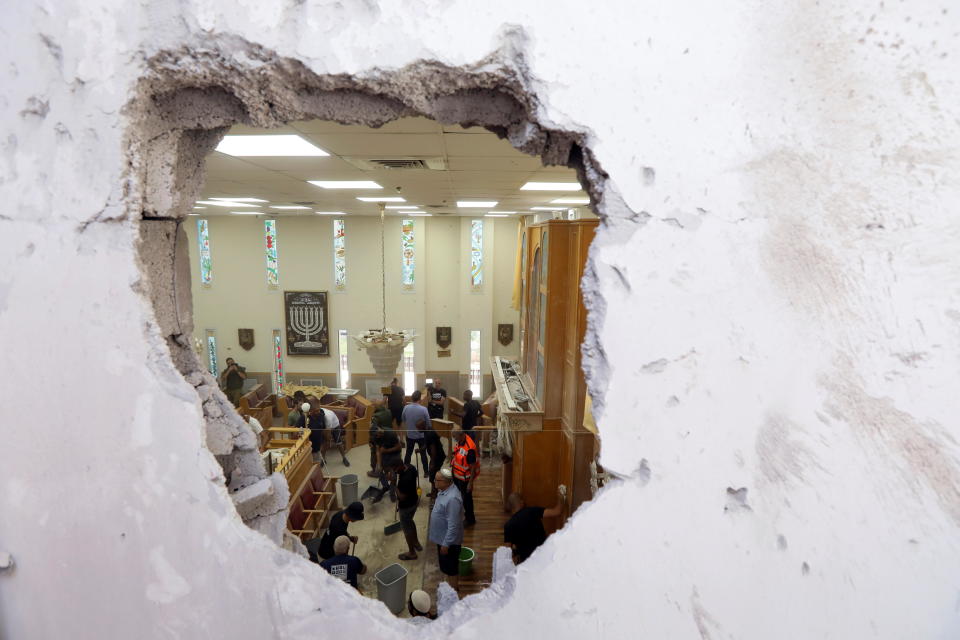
(466, 561)
(392, 587)
(349, 485)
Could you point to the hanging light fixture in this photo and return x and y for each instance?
(385, 346)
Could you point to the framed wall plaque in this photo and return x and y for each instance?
(306, 323)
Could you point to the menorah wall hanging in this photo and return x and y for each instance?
(306, 316)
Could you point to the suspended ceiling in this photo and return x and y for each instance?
(478, 166)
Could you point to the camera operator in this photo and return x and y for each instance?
(231, 381)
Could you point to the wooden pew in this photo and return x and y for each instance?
(363, 413)
(312, 502)
(257, 398)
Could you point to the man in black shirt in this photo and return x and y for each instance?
(407, 502)
(338, 527)
(434, 446)
(396, 402)
(388, 454)
(436, 387)
(524, 530)
(471, 415)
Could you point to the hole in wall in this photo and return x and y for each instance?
(183, 112)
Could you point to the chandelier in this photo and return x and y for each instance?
(384, 346)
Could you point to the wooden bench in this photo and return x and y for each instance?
(312, 502)
(362, 415)
(258, 398)
(295, 466)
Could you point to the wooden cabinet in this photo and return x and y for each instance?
(552, 326)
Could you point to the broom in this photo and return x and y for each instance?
(394, 526)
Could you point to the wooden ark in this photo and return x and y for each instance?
(552, 445)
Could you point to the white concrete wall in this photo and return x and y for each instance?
(239, 295)
(784, 317)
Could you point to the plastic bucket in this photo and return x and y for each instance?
(349, 487)
(466, 561)
(392, 587)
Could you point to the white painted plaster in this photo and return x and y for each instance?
(780, 314)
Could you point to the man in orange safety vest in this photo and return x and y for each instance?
(466, 467)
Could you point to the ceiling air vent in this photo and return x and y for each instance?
(398, 163)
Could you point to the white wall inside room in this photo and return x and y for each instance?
(777, 310)
(239, 296)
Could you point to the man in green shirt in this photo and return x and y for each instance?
(381, 419)
(231, 380)
(298, 415)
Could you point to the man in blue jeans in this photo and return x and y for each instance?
(416, 420)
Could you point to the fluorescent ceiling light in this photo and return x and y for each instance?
(403, 206)
(551, 186)
(547, 208)
(393, 199)
(198, 208)
(414, 211)
(226, 203)
(501, 212)
(268, 145)
(247, 213)
(288, 206)
(330, 213)
(476, 204)
(239, 199)
(421, 215)
(345, 184)
(193, 214)
(496, 215)
(571, 201)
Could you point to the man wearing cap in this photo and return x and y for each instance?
(446, 525)
(338, 527)
(418, 605)
(343, 565)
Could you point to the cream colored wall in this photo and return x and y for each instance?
(239, 296)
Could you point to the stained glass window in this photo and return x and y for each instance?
(203, 238)
(339, 256)
(273, 266)
(409, 254)
(211, 352)
(343, 344)
(476, 253)
(278, 361)
(475, 362)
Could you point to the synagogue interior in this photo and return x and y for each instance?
(397, 314)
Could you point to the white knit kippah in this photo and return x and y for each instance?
(420, 600)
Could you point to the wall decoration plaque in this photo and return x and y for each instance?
(505, 334)
(306, 320)
(444, 337)
(245, 338)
